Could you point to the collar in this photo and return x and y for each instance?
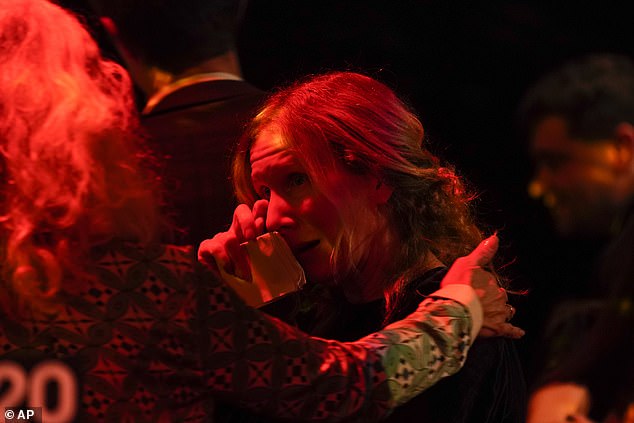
(185, 82)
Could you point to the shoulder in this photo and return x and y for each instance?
(121, 252)
(204, 94)
(126, 266)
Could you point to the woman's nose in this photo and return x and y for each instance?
(279, 214)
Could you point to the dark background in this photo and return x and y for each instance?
(464, 67)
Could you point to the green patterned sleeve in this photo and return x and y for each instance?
(263, 364)
(421, 349)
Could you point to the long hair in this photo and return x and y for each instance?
(353, 120)
(70, 176)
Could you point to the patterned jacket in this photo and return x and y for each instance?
(152, 337)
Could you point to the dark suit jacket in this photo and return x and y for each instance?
(194, 130)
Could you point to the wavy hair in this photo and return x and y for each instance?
(68, 143)
(351, 119)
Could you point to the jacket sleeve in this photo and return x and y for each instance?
(263, 364)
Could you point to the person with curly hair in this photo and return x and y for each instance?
(336, 165)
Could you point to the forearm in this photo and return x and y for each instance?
(273, 368)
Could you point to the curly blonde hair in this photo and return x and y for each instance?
(354, 120)
(69, 148)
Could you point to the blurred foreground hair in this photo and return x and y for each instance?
(69, 153)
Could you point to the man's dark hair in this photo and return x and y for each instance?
(173, 34)
(593, 94)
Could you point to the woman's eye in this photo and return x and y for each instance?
(298, 179)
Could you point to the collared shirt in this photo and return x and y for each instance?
(185, 82)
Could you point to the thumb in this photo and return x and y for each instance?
(484, 252)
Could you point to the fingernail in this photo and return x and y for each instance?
(490, 239)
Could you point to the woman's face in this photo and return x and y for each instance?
(309, 219)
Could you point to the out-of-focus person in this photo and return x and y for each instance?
(580, 121)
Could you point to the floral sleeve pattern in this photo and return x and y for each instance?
(272, 368)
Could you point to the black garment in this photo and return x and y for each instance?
(490, 387)
(601, 359)
(194, 131)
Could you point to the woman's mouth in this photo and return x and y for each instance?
(304, 247)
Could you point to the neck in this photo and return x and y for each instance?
(379, 279)
(375, 269)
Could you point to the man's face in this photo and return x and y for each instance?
(574, 178)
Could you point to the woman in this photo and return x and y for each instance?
(335, 165)
(100, 322)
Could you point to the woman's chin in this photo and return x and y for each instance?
(318, 275)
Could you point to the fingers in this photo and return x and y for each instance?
(259, 215)
(497, 312)
(496, 322)
(206, 254)
(243, 225)
(483, 279)
(511, 312)
(484, 252)
(468, 270)
(224, 252)
(493, 302)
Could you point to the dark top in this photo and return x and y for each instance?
(194, 131)
(601, 358)
(490, 388)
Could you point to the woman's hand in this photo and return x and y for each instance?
(470, 270)
(224, 251)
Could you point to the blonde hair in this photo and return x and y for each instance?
(70, 167)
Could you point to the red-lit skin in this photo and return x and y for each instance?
(575, 179)
(308, 221)
(308, 218)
